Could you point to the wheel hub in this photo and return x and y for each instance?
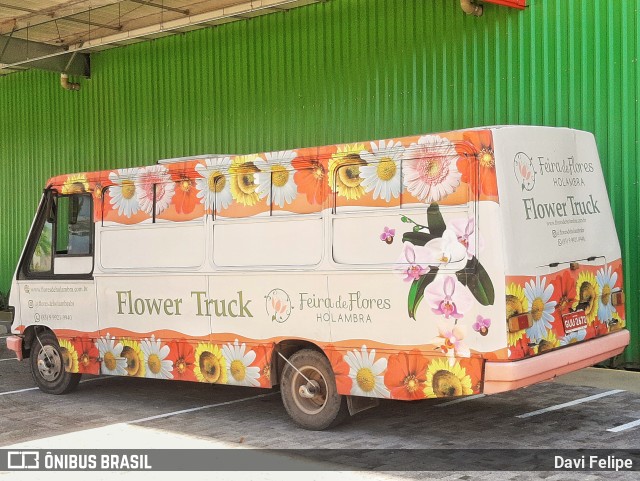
(49, 363)
(309, 390)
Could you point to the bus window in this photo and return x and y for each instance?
(73, 225)
(64, 244)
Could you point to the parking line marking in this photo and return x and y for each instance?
(200, 408)
(17, 391)
(10, 359)
(461, 400)
(34, 388)
(571, 403)
(98, 378)
(624, 427)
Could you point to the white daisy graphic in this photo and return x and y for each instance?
(155, 177)
(214, 188)
(123, 192)
(111, 354)
(538, 294)
(239, 369)
(382, 174)
(366, 373)
(275, 179)
(606, 279)
(430, 170)
(155, 359)
(575, 336)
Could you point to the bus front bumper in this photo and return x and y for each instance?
(504, 376)
(14, 343)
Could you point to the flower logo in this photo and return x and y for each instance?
(524, 171)
(278, 305)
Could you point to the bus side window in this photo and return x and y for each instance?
(74, 225)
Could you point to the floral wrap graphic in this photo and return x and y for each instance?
(435, 246)
(446, 371)
(383, 173)
(239, 360)
(211, 365)
(69, 355)
(408, 375)
(182, 356)
(88, 355)
(156, 362)
(226, 363)
(110, 352)
(589, 291)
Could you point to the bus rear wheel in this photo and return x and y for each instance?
(47, 366)
(309, 392)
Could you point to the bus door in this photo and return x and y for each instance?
(55, 277)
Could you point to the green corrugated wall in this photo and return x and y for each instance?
(338, 71)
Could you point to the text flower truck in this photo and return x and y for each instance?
(450, 264)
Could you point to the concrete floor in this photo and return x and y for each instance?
(603, 378)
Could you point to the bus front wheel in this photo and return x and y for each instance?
(48, 366)
(309, 392)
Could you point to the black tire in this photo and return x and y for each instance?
(47, 365)
(326, 408)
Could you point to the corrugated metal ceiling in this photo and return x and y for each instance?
(32, 30)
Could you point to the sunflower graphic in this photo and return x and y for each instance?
(587, 292)
(75, 184)
(617, 323)
(69, 355)
(548, 342)
(446, 380)
(344, 171)
(135, 357)
(211, 365)
(243, 176)
(516, 304)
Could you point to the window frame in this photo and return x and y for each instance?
(49, 200)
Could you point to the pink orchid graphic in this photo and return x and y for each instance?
(482, 325)
(448, 297)
(451, 342)
(414, 271)
(387, 235)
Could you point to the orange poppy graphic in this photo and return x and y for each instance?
(185, 199)
(311, 177)
(564, 291)
(88, 355)
(263, 361)
(340, 369)
(406, 375)
(184, 359)
(479, 158)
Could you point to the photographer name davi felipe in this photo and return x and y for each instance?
(594, 462)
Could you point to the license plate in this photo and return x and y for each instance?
(574, 321)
